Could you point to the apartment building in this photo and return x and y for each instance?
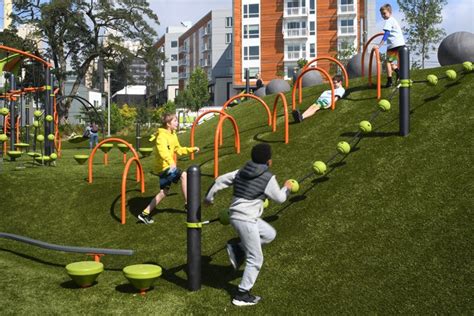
(208, 44)
(270, 36)
(168, 45)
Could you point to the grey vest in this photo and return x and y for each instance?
(251, 181)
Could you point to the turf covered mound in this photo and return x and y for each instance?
(387, 229)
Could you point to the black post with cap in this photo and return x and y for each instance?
(404, 92)
(194, 226)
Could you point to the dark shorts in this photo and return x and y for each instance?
(167, 178)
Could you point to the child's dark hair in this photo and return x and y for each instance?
(337, 78)
(387, 7)
(167, 118)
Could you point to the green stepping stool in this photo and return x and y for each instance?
(84, 273)
(142, 276)
(42, 159)
(13, 154)
(145, 151)
(124, 150)
(81, 159)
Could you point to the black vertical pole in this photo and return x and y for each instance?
(247, 81)
(194, 231)
(27, 122)
(137, 132)
(404, 103)
(12, 114)
(47, 111)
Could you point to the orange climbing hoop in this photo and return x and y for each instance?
(375, 51)
(285, 113)
(140, 178)
(298, 83)
(364, 50)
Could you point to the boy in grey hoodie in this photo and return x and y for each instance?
(252, 184)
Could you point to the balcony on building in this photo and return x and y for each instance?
(294, 12)
(183, 75)
(294, 55)
(183, 62)
(183, 49)
(295, 33)
(346, 7)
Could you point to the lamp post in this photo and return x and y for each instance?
(108, 103)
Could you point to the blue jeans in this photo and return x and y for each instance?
(93, 139)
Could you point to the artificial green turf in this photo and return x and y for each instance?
(388, 230)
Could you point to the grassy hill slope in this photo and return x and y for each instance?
(387, 230)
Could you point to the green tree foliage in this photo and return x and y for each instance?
(198, 89)
(116, 120)
(301, 62)
(184, 99)
(168, 107)
(79, 32)
(129, 114)
(422, 18)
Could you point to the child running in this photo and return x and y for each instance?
(252, 184)
(324, 100)
(394, 37)
(166, 146)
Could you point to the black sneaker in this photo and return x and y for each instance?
(146, 218)
(236, 255)
(389, 83)
(297, 117)
(244, 298)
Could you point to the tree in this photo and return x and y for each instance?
(184, 99)
(198, 88)
(422, 18)
(79, 32)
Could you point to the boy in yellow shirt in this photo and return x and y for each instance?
(166, 146)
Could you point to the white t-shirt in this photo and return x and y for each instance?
(325, 97)
(395, 39)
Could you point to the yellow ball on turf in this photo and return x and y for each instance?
(4, 111)
(40, 138)
(467, 65)
(53, 156)
(343, 147)
(51, 137)
(365, 126)
(266, 203)
(432, 80)
(37, 113)
(451, 74)
(49, 118)
(384, 105)
(36, 124)
(3, 138)
(319, 167)
(295, 186)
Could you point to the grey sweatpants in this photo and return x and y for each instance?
(253, 235)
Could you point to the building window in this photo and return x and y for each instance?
(174, 57)
(251, 11)
(174, 68)
(311, 7)
(312, 50)
(347, 26)
(228, 21)
(296, 51)
(347, 6)
(228, 38)
(174, 44)
(253, 71)
(251, 52)
(312, 28)
(251, 31)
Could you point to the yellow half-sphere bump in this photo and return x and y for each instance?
(4, 111)
(40, 138)
(51, 137)
(319, 167)
(451, 74)
(53, 156)
(266, 203)
(37, 113)
(432, 80)
(384, 105)
(49, 118)
(365, 126)
(467, 65)
(343, 147)
(295, 186)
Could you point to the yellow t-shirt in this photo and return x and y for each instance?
(166, 146)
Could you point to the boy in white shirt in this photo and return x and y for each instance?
(394, 37)
(324, 100)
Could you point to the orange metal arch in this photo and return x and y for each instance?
(375, 51)
(225, 116)
(124, 185)
(14, 50)
(285, 111)
(110, 140)
(364, 50)
(252, 97)
(300, 78)
(57, 138)
(216, 141)
(346, 76)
